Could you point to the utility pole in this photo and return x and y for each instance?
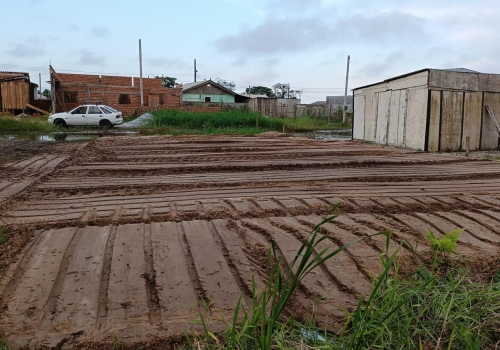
(40, 88)
(346, 84)
(140, 70)
(195, 71)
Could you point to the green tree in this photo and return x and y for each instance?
(167, 82)
(260, 90)
(230, 85)
(47, 93)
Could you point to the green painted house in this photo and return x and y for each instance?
(207, 91)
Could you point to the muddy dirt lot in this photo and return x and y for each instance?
(124, 237)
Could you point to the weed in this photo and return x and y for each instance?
(443, 246)
(256, 326)
(3, 345)
(4, 235)
(490, 157)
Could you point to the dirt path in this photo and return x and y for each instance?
(127, 237)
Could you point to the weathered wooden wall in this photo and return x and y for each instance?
(446, 80)
(473, 108)
(266, 106)
(383, 112)
(451, 121)
(393, 112)
(434, 121)
(392, 134)
(207, 90)
(15, 94)
(359, 120)
(454, 115)
(489, 134)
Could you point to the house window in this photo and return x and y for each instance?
(71, 96)
(124, 99)
(208, 99)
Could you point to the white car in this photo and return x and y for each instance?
(92, 115)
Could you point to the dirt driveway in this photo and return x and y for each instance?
(126, 237)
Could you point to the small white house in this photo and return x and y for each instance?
(430, 109)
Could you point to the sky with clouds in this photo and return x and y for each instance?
(252, 42)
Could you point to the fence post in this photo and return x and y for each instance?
(256, 120)
(467, 146)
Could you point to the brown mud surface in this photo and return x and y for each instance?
(125, 238)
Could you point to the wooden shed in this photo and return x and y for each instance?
(431, 110)
(17, 93)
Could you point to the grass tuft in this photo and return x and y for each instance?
(4, 235)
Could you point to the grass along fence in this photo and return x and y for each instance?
(233, 121)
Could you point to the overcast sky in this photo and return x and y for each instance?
(252, 42)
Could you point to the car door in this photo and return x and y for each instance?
(94, 115)
(78, 116)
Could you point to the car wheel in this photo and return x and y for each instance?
(60, 123)
(105, 124)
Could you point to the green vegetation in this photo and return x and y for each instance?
(4, 235)
(38, 124)
(491, 157)
(232, 122)
(443, 246)
(426, 309)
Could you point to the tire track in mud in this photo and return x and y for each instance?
(136, 234)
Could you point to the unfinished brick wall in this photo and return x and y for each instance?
(95, 89)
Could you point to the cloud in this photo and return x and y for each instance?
(90, 59)
(383, 66)
(99, 32)
(73, 27)
(166, 62)
(32, 48)
(289, 35)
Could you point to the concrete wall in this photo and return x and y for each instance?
(213, 98)
(393, 113)
(338, 101)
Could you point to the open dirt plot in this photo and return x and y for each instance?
(126, 237)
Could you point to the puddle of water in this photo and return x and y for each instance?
(328, 135)
(61, 136)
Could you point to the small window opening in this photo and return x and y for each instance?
(71, 96)
(208, 99)
(124, 99)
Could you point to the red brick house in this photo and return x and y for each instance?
(122, 93)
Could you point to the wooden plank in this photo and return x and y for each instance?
(489, 133)
(383, 111)
(472, 119)
(451, 121)
(37, 109)
(359, 117)
(403, 103)
(416, 119)
(493, 118)
(392, 137)
(435, 118)
(453, 80)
